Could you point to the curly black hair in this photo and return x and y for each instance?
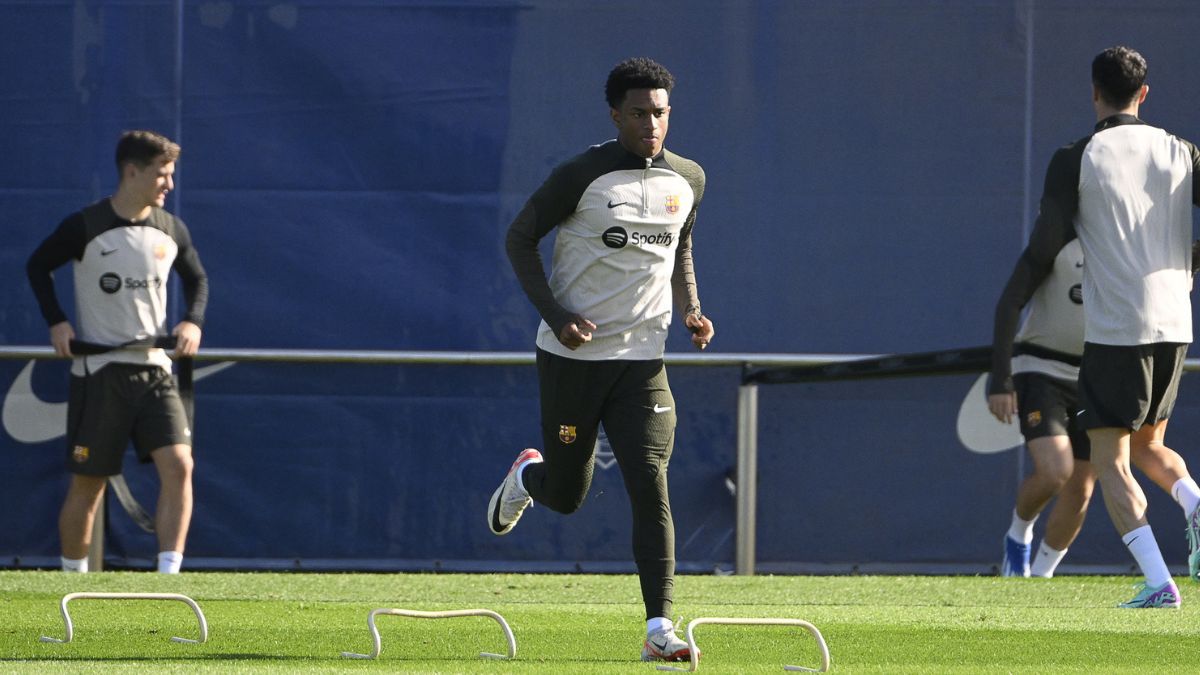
(636, 73)
(1118, 73)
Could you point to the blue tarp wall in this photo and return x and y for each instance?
(350, 169)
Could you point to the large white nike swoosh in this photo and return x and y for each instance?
(29, 419)
(978, 430)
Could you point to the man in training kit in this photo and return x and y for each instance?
(1038, 385)
(1126, 191)
(123, 248)
(624, 212)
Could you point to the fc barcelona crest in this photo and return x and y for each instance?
(1034, 418)
(672, 203)
(80, 453)
(566, 433)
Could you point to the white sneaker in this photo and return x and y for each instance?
(1193, 538)
(666, 646)
(510, 499)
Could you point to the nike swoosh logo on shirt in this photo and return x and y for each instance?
(29, 419)
(111, 250)
(660, 408)
(611, 205)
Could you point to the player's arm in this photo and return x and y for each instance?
(1052, 231)
(552, 203)
(194, 280)
(683, 278)
(683, 288)
(67, 241)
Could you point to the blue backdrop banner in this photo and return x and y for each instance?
(349, 171)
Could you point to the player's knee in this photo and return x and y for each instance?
(174, 462)
(1058, 475)
(563, 503)
(186, 465)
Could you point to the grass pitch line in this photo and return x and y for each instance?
(691, 638)
(129, 596)
(416, 614)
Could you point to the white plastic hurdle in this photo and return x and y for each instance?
(128, 596)
(691, 638)
(449, 614)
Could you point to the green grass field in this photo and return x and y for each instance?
(592, 624)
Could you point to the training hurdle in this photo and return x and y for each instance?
(449, 614)
(128, 596)
(691, 639)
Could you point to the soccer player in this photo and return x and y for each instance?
(1039, 386)
(624, 212)
(1126, 192)
(123, 249)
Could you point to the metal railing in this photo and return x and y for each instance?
(747, 420)
(747, 412)
(17, 352)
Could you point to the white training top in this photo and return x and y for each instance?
(1055, 319)
(1135, 224)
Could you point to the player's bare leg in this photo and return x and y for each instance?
(1065, 519)
(1168, 470)
(174, 513)
(1052, 467)
(1070, 509)
(78, 514)
(1126, 504)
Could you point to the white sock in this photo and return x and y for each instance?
(169, 562)
(1144, 547)
(72, 565)
(1187, 494)
(1046, 561)
(1021, 530)
(658, 624)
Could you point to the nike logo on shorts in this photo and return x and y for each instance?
(660, 408)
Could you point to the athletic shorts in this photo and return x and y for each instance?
(1129, 386)
(632, 399)
(116, 404)
(1047, 406)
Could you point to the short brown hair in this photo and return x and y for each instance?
(143, 147)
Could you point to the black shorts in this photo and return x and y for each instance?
(119, 403)
(1047, 406)
(1129, 386)
(632, 399)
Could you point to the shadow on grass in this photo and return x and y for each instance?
(194, 657)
